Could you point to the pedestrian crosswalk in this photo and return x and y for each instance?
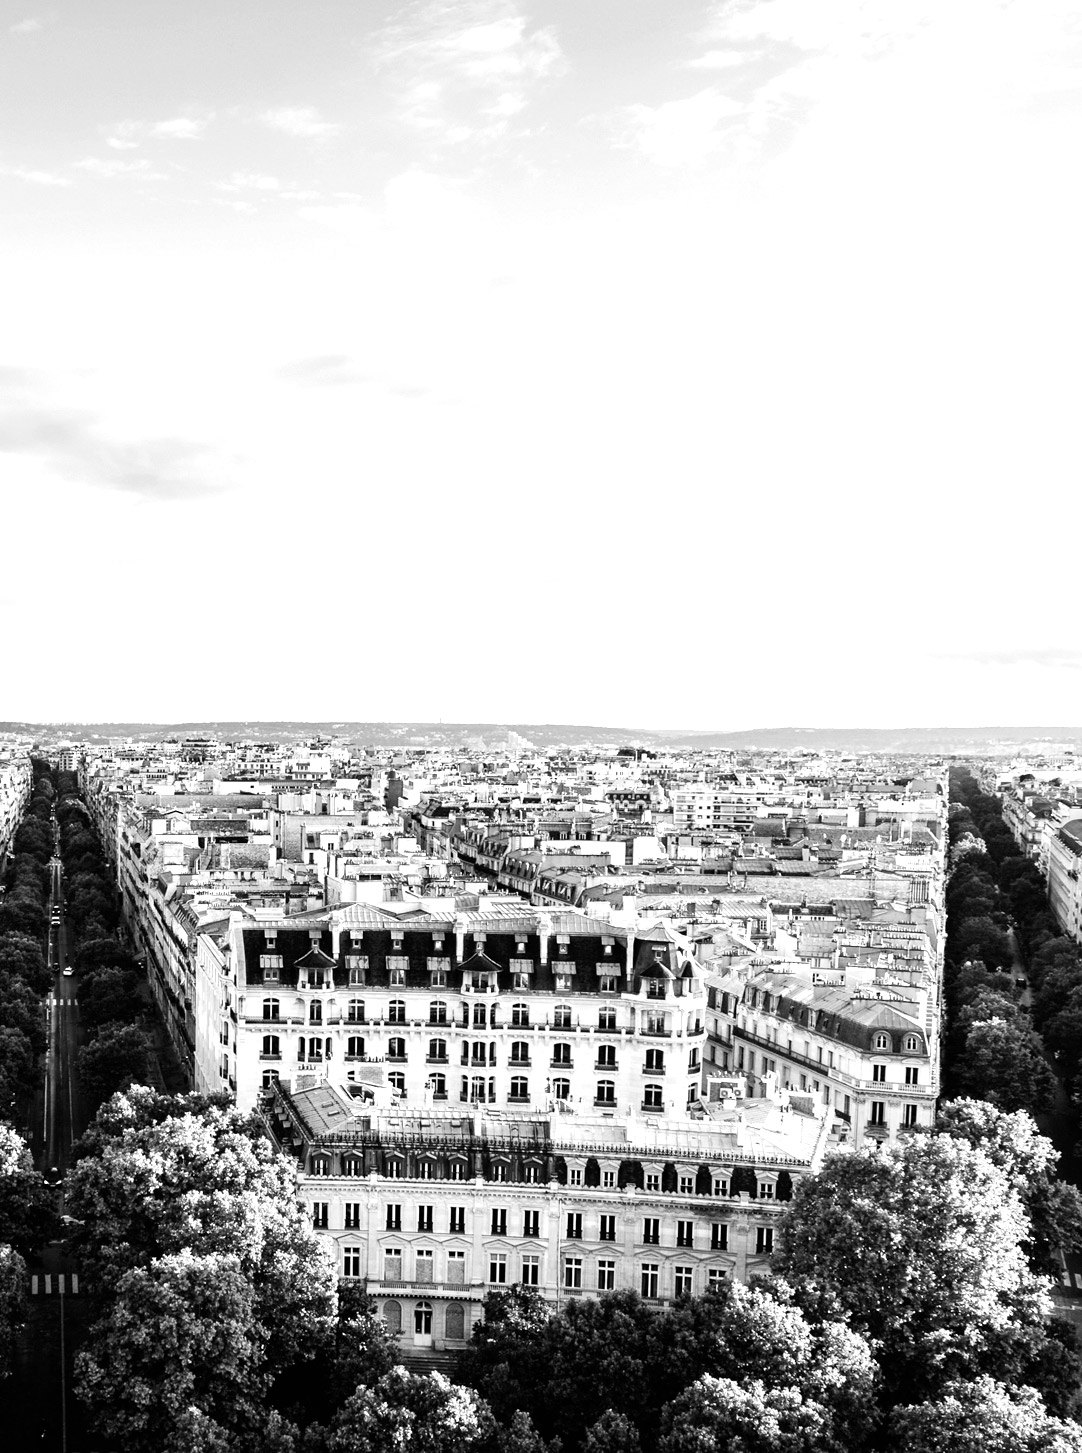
(50, 1284)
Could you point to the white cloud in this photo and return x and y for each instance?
(302, 121)
(682, 133)
(251, 182)
(180, 128)
(38, 178)
(462, 72)
(99, 166)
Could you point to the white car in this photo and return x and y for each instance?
(68, 972)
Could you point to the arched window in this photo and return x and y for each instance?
(437, 1083)
(561, 1089)
(520, 1016)
(271, 1008)
(301, 1047)
(396, 1011)
(270, 1077)
(355, 1047)
(271, 1046)
(437, 1051)
(606, 1092)
(397, 1081)
(652, 1097)
(561, 1016)
(437, 1012)
(606, 1056)
(882, 1041)
(454, 1325)
(561, 1054)
(912, 1044)
(396, 1048)
(315, 1012)
(520, 1088)
(477, 1087)
(520, 1052)
(392, 1317)
(355, 1011)
(422, 1319)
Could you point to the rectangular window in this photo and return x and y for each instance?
(682, 1277)
(687, 1185)
(879, 1113)
(531, 1271)
(574, 1226)
(607, 1228)
(353, 1215)
(685, 1233)
(424, 1218)
(715, 1279)
(651, 1231)
(499, 1222)
(606, 1275)
(497, 1268)
(909, 1114)
(458, 1221)
(456, 1268)
(397, 964)
(572, 1272)
(879, 1074)
(719, 1236)
(319, 1215)
(648, 1279)
(912, 1075)
(531, 1223)
(721, 1185)
(574, 1177)
(392, 1263)
(394, 1218)
(764, 1240)
(351, 1261)
(608, 1180)
(653, 1181)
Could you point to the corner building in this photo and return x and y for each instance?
(507, 1096)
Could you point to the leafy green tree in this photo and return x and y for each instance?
(981, 938)
(982, 1416)
(153, 1184)
(1028, 1159)
(1001, 1063)
(12, 1304)
(118, 1056)
(22, 915)
(17, 1076)
(717, 1413)
(20, 1008)
(28, 1215)
(612, 1433)
(412, 1414)
(921, 1246)
(504, 1361)
(21, 957)
(102, 953)
(180, 1334)
(108, 994)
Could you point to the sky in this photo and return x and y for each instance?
(668, 363)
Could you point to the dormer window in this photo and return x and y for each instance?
(881, 1042)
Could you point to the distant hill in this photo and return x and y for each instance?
(415, 734)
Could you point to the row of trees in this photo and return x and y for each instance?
(907, 1301)
(990, 1051)
(24, 974)
(992, 880)
(116, 1051)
